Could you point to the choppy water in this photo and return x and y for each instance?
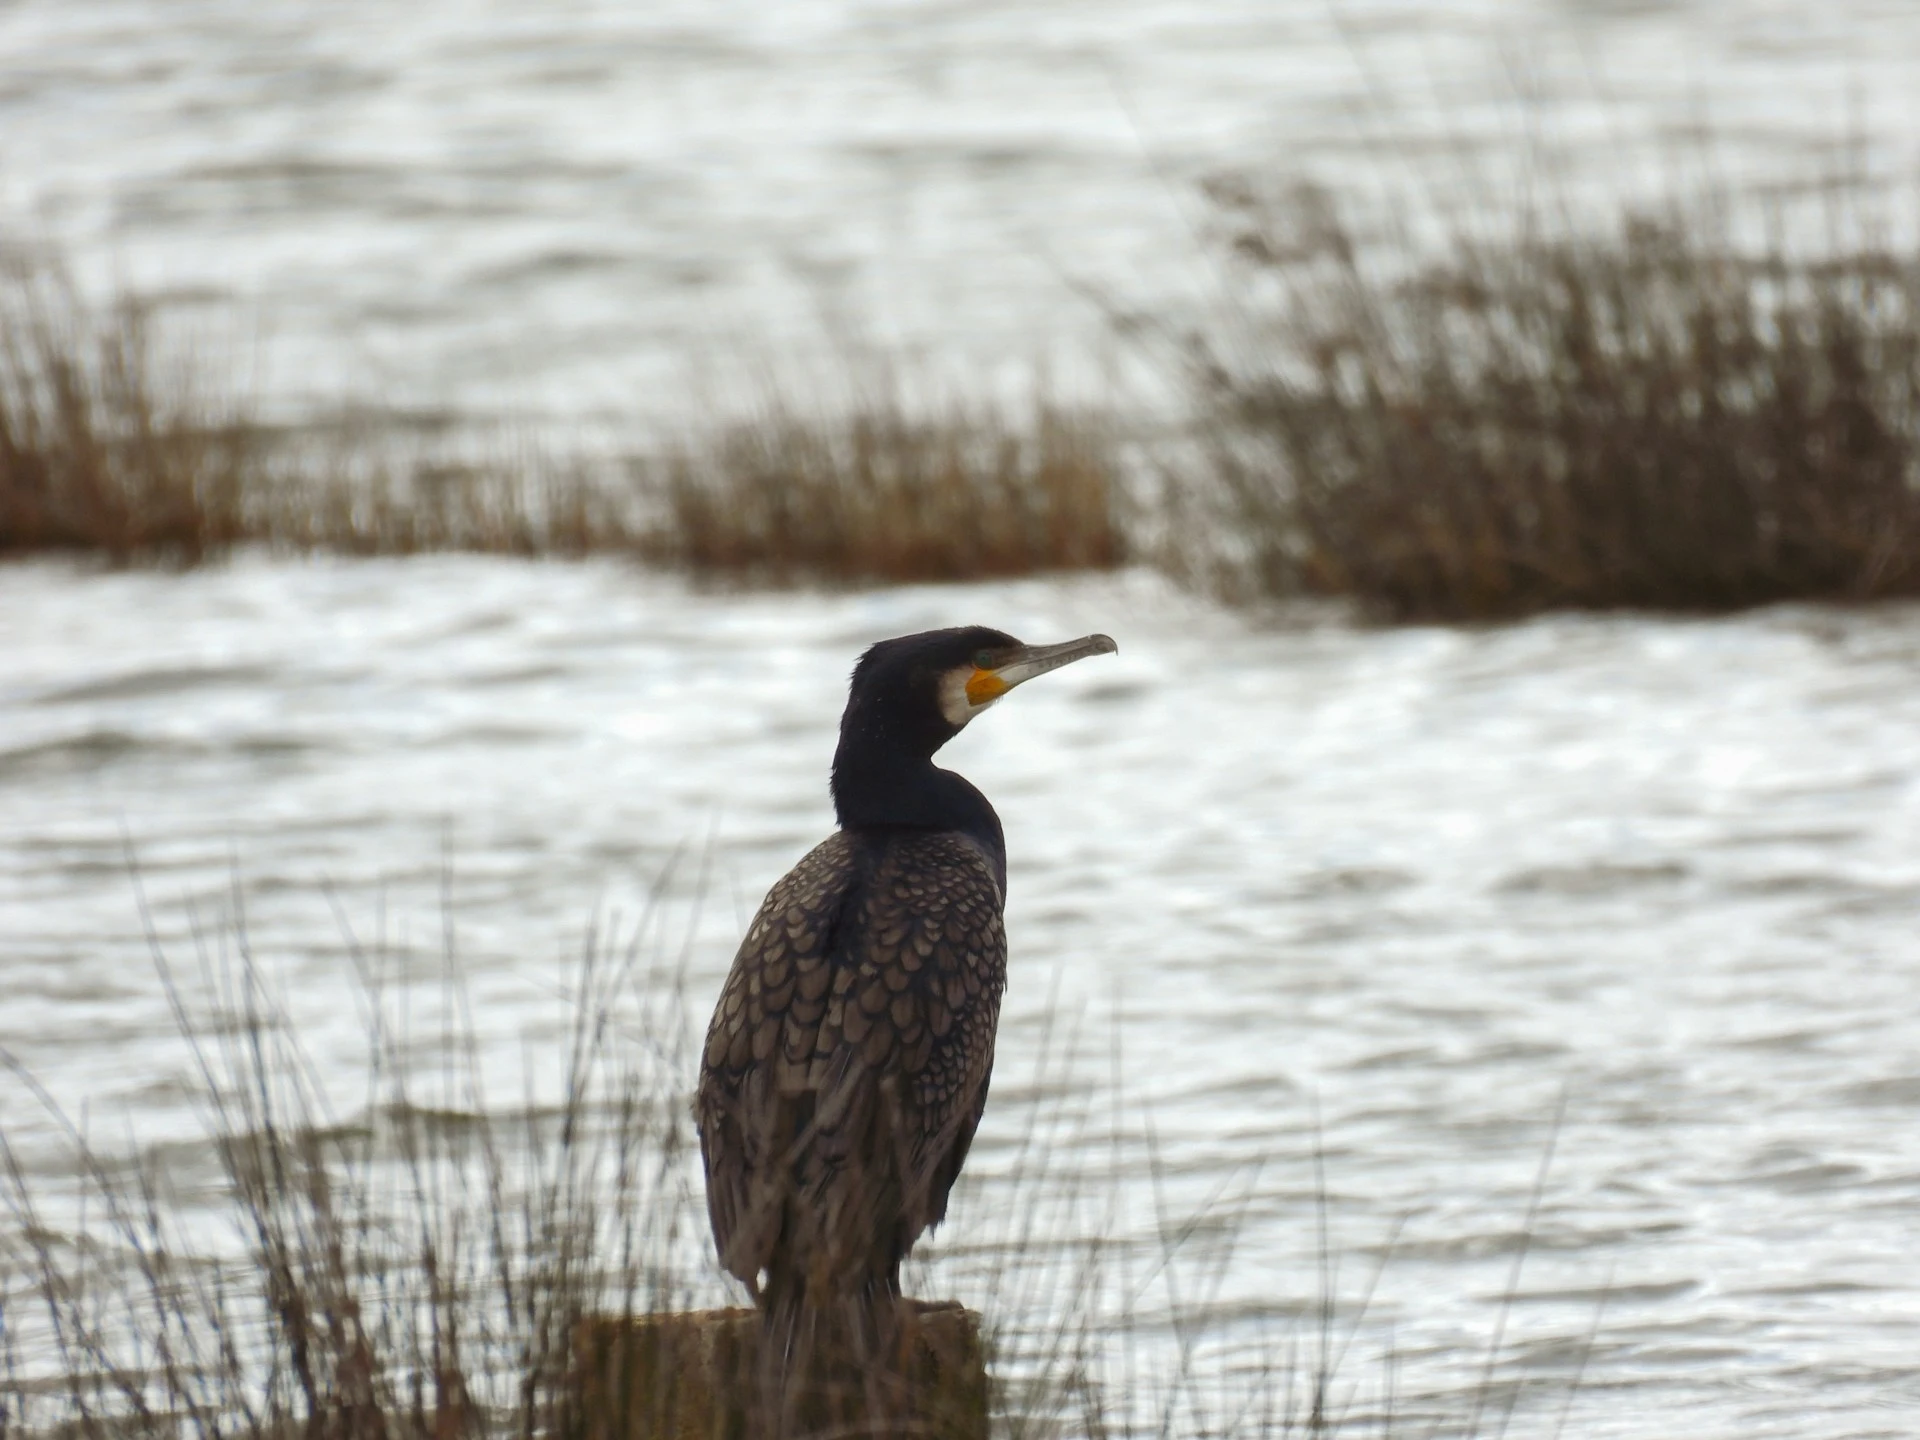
(1405, 891)
(1400, 896)
(472, 210)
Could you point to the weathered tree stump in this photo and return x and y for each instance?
(701, 1376)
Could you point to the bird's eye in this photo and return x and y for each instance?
(983, 659)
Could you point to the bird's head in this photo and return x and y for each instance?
(919, 691)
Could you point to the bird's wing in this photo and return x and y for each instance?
(847, 1062)
(771, 1005)
(913, 1014)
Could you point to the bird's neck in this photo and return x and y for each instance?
(892, 790)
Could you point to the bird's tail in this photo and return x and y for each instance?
(830, 1364)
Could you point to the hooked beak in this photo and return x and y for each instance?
(1017, 667)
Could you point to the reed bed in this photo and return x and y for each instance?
(114, 445)
(418, 1268)
(354, 497)
(105, 444)
(401, 1253)
(880, 493)
(1647, 415)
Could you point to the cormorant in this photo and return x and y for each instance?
(847, 1061)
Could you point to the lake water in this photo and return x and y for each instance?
(570, 216)
(1383, 916)
(1401, 897)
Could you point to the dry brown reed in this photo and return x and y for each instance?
(1648, 416)
(418, 1264)
(105, 444)
(880, 493)
(419, 1269)
(114, 445)
(353, 497)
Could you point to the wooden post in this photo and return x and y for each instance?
(698, 1376)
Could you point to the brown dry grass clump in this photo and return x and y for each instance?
(418, 1270)
(1651, 417)
(113, 446)
(105, 446)
(353, 499)
(445, 1255)
(885, 495)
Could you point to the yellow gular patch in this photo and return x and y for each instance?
(984, 686)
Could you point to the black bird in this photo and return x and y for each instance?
(847, 1062)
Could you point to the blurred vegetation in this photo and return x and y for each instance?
(1650, 416)
(103, 446)
(882, 493)
(418, 1269)
(112, 445)
(1640, 413)
(420, 1248)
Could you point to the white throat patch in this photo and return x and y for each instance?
(955, 707)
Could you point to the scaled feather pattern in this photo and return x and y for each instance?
(847, 1062)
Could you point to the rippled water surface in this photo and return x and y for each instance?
(1384, 916)
(1401, 896)
(474, 209)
